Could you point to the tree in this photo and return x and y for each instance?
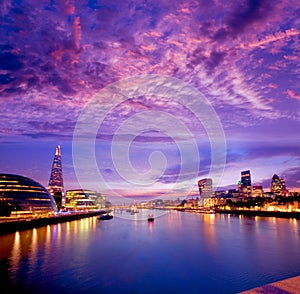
(58, 199)
(5, 208)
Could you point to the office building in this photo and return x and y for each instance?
(84, 199)
(56, 185)
(257, 191)
(205, 191)
(22, 196)
(205, 188)
(278, 186)
(245, 187)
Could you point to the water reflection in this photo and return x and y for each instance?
(210, 232)
(15, 257)
(33, 251)
(47, 248)
(24, 249)
(184, 253)
(150, 226)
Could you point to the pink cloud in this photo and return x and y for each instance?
(293, 94)
(69, 7)
(77, 31)
(273, 38)
(273, 86)
(290, 57)
(266, 75)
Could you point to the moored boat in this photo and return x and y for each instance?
(105, 216)
(150, 217)
(208, 211)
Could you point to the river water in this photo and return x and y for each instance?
(177, 253)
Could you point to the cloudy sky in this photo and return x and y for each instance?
(64, 62)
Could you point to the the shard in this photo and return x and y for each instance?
(56, 185)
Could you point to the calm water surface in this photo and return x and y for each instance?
(178, 253)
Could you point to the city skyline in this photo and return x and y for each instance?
(271, 185)
(242, 57)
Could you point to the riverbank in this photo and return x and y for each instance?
(249, 213)
(8, 225)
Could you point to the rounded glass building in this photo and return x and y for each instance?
(23, 196)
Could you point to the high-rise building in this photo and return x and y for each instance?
(278, 186)
(245, 186)
(206, 192)
(56, 185)
(205, 188)
(275, 185)
(284, 190)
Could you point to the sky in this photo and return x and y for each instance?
(148, 97)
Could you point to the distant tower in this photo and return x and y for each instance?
(206, 191)
(246, 183)
(56, 185)
(278, 186)
(205, 187)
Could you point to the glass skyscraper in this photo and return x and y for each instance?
(56, 185)
(246, 187)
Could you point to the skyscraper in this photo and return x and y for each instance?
(205, 188)
(56, 186)
(205, 191)
(246, 187)
(278, 186)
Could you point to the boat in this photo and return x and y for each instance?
(105, 216)
(150, 218)
(208, 211)
(134, 210)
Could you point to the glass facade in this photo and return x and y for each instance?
(278, 186)
(20, 195)
(205, 188)
(56, 185)
(84, 199)
(246, 188)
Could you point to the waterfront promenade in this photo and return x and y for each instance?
(250, 212)
(286, 286)
(244, 212)
(10, 225)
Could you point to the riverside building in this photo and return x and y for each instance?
(56, 185)
(84, 200)
(245, 188)
(22, 196)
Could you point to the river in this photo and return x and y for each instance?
(177, 253)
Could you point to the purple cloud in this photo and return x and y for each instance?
(55, 56)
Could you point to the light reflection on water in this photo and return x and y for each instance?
(178, 252)
(15, 256)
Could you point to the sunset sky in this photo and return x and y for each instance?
(242, 56)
